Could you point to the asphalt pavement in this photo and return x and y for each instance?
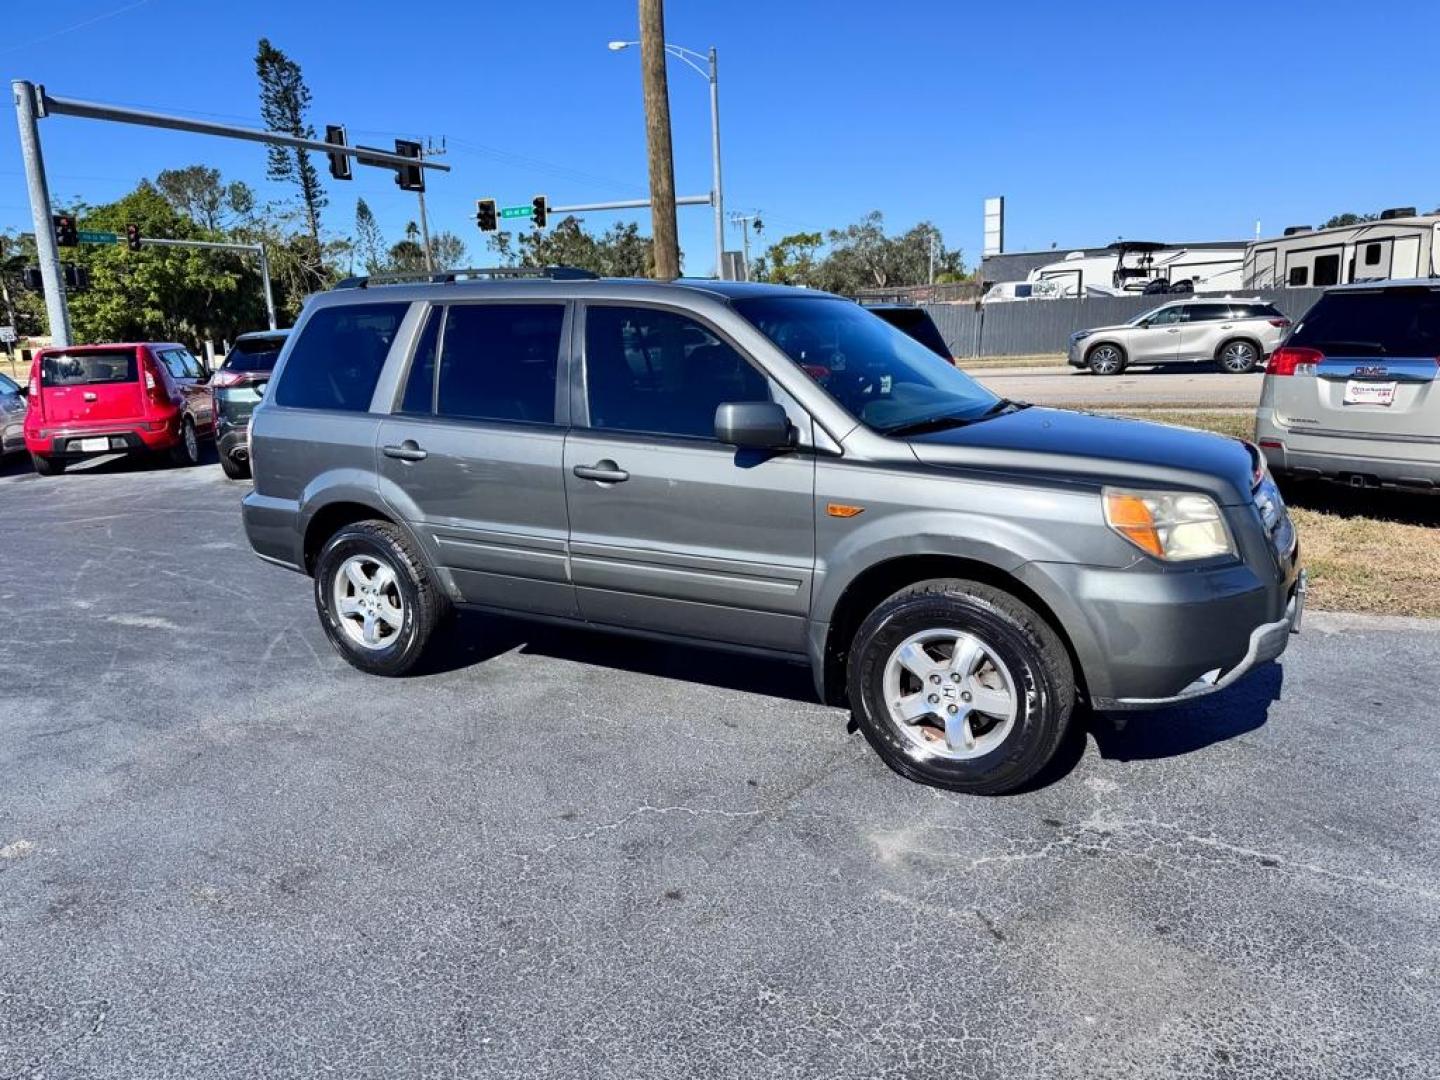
(1185, 385)
(224, 853)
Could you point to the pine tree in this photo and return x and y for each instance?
(284, 100)
(369, 243)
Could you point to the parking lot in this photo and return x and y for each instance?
(1161, 384)
(224, 852)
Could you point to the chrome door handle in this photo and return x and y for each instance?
(606, 472)
(409, 450)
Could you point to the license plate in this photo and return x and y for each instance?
(90, 446)
(1369, 393)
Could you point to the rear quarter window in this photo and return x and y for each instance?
(88, 368)
(1387, 322)
(338, 357)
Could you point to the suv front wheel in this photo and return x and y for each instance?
(377, 604)
(959, 684)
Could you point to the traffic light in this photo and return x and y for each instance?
(65, 235)
(33, 281)
(486, 216)
(132, 236)
(409, 177)
(77, 278)
(339, 163)
(539, 210)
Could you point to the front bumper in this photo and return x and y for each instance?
(1267, 642)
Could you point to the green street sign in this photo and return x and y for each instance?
(97, 237)
(515, 211)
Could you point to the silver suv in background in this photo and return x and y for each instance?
(1236, 334)
(771, 470)
(1354, 394)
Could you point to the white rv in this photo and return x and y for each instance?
(1401, 244)
(1133, 266)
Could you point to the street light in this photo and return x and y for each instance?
(717, 199)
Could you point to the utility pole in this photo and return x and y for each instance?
(656, 92)
(47, 253)
(429, 150)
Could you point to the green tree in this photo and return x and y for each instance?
(198, 192)
(369, 243)
(448, 251)
(284, 101)
(408, 256)
(160, 293)
(790, 260)
(621, 251)
(1340, 220)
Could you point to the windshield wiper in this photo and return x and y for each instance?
(949, 420)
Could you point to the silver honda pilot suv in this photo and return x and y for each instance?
(771, 470)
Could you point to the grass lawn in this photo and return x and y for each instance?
(1376, 552)
(980, 363)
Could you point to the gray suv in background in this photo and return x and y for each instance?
(1236, 334)
(770, 470)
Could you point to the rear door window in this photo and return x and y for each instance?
(500, 362)
(338, 357)
(1206, 312)
(88, 368)
(419, 399)
(1388, 322)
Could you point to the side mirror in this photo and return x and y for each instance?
(753, 425)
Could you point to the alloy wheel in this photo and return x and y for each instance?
(368, 603)
(949, 694)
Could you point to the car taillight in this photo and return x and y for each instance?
(155, 388)
(1280, 323)
(1294, 361)
(228, 378)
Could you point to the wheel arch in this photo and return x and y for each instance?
(1113, 342)
(325, 521)
(875, 583)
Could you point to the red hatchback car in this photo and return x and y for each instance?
(87, 400)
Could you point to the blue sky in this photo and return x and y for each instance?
(1162, 121)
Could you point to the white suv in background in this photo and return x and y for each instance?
(1234, 333)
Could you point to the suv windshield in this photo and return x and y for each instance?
(881, 375)
(254, 354)
(1386, 322)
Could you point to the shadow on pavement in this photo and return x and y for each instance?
(107, 464)
(474, 638)
(1387, 504)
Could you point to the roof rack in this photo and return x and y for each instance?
(446, 277)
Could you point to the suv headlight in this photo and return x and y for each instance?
(1080, 335)
(1172, 525)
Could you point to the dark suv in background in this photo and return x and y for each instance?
(238, 384)
(771, 470)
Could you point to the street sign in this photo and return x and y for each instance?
(96, 237)
(516, 211)
(7, 335)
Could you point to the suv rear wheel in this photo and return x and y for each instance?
(1238, 357)
(960, 685)
(1106, 359)
(187, 450)
(47, 466)
(376, 601)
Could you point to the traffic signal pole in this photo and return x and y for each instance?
(27, 114)
(257, 250)
(32, 104)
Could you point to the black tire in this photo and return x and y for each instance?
(423, 605)
(1238, 356)
(186, 452)
(47, 466)
(1106, 358)
(235, 470)
(1026, 644)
